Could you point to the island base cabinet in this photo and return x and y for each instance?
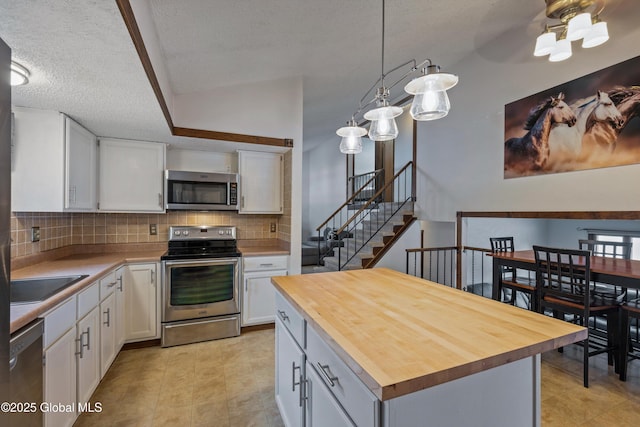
(504, 396)
(289, 378)
(60, 379)
(322, 409)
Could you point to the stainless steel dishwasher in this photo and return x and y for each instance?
(25, 375)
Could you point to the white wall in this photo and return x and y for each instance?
(461, 156)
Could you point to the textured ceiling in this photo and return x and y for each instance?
(83, 62)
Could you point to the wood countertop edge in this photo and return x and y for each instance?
(34, 310)
(389, 391)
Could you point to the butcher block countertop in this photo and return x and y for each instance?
(401, 334)
(95, 265)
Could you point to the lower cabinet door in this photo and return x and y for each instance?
(259, 299)
(60, 379)
(289, 376)
(88, 334)
(322, 409)
(107, 333)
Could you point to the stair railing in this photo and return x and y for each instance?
(354, 234)
(364, 184)
(327, 230)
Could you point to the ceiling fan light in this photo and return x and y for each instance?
(578, 26)
(19, 74)
(561, 51)
(597, 35)
(545, 44)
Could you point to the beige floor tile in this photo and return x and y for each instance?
(230, 383)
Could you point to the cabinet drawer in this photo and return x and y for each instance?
(59, 320)
(291, 319)
(107, 285)
(278, 262)
(353, 395)
(88, 299)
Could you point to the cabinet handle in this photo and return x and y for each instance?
(79, 341)
(153, 277)
(160, 199)
(88, 338)
(293, 376)
(108, 314)
(112, 284)
(270, 264)
(242, 203)
(283, 315)
(324, 370)
(120, 286)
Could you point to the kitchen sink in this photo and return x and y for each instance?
(40, 288)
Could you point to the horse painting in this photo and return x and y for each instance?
(531, 151)
(605, 134)
(566, 142)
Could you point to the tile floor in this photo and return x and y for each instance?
(231, 383)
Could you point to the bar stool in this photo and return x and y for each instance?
(509, 279)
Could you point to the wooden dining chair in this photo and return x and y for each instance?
(509, 279)
(564, 287)
(630, 318)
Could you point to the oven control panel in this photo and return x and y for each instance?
(202, 232)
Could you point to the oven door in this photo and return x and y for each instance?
(195, 289)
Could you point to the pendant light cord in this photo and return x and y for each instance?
(382, 70)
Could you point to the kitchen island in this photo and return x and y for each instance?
(377, 347)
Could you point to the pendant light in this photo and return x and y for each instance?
(430, 101)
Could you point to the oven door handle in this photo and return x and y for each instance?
(201, 261)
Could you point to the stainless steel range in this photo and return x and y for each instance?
(200, 299)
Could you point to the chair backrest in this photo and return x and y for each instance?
(501, 244)
(563, 274)
(620, 250)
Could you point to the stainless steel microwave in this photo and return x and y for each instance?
(201, 191)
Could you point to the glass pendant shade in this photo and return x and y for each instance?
(597, 35)
(351, 145)
(430, 104)
(578, 26)
(351, 142)
(545, 44)
(383, 124)
(561, 51)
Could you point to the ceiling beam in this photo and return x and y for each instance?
(134, 31)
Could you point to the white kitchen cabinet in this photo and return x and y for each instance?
(322, 408)
(289, 377)
(141, 302)
(131, 176)
(60, 378)
(120, 308)
(88, 359)
(261, 182)
(108, 322)
(54, 166)
(258, 295)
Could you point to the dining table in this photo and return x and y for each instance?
(613, 271)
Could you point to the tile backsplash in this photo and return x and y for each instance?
(58, 230)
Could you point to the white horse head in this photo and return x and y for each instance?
(606, 111)
(561, 112)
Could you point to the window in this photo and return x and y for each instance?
(620, 236)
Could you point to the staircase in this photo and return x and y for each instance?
(378, 240)
(358, 240)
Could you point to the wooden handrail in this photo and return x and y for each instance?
(363, 174)
(476, 249)
(441, 248)
(375, 196)
(349, 200)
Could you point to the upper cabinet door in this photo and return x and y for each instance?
(131, 176)
(80, 165)
(261, 182)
